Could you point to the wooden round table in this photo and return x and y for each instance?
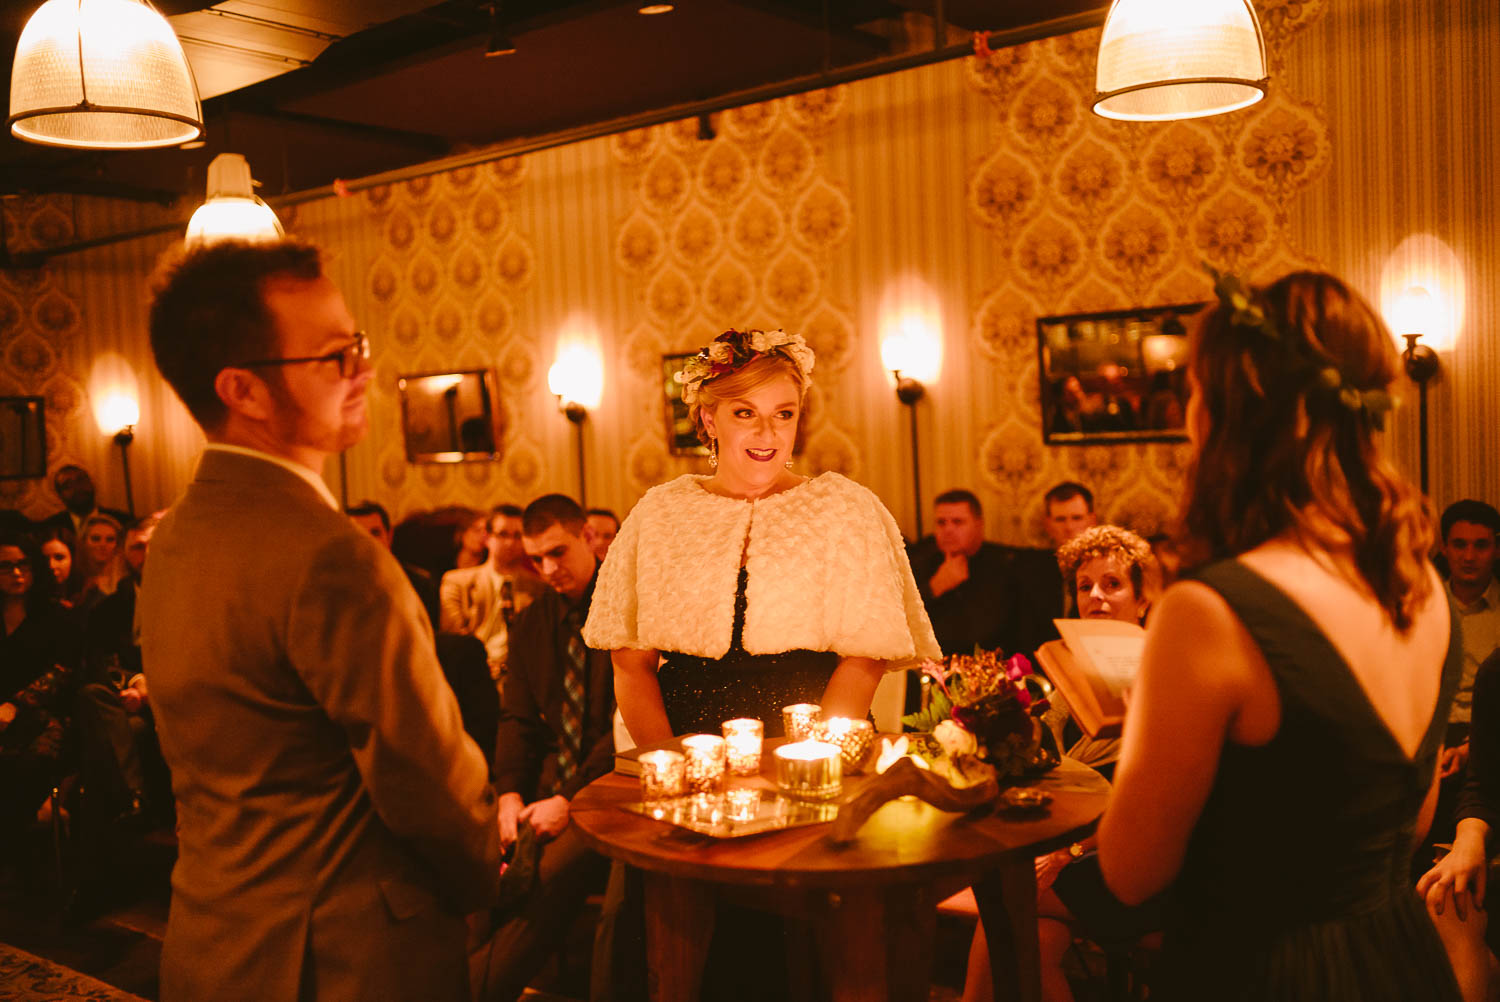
(873, 901)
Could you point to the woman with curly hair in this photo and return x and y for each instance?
(1283, 732)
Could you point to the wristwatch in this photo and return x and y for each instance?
(1076, 850)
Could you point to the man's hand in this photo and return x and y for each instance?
(510, 817)
(548, 817)
(130, 700)
(953, 572)
(7, 715)
(1453, 760)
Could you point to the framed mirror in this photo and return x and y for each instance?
(1115, 377)
(682, 436)
(23, 438)
(449, 417)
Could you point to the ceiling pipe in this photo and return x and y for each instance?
(640, 120)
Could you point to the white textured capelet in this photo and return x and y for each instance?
(826, 571)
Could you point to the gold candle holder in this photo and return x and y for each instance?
(855, 738)
(662, 775)
(810, 770)
(706, 761)
(741, 804)
(743, 737)
(798, 720)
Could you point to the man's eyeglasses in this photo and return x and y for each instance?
(350, 358)
(15, 567)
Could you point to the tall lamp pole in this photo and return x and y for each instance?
(909, 391)
(123, 438)
(1421, 365)
(577, 413)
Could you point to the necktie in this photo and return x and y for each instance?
(570, 713)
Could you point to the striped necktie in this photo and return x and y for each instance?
(570, 713)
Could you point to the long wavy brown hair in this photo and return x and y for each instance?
(1279, 449)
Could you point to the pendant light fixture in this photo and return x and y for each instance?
(102, 74)
(232, 211)
(1169, 59)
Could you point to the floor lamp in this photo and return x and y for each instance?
(909, 391)
(1421, 365)
(123, 438)
(577, 413)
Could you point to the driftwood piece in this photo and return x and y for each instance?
(903, 779)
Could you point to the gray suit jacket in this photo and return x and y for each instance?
(334, 820)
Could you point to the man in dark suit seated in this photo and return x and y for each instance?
(555, 738)
(965, 581)
(75, 488)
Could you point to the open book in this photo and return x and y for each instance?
(1092, 665)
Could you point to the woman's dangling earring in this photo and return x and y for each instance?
(789, 464)
(713, 453)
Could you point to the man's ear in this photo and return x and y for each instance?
(244, 393)
(589, 535)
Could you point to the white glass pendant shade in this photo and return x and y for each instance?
(1170, 59)
(102, 74)
(232, 212)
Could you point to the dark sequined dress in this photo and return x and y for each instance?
(701, 693)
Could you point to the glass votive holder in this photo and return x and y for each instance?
(706, 761)
(662, 775)
(742, 805)
(798, 720)
(744, 736)
(854, 737)
(809, 770)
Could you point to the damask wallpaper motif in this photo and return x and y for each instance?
(1087, 215)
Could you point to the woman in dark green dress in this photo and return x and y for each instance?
(1283, 736)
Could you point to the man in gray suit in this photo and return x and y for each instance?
(335, 822)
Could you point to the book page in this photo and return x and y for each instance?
(1110, 649)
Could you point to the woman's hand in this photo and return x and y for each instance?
(1048, 867)
(7, 715)
(1464, 869)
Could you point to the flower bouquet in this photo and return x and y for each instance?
(984, 721)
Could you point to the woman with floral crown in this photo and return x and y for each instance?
(1283, 733)
(738, 593)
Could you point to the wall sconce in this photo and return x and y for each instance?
(232, 210)
(132, 89)
(1422, 297)
(1160, 61)
(577, 380)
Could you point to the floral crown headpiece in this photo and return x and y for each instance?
(1246, 315)
(734, 349)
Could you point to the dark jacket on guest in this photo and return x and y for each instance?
(980, 612)
(1481, 790)
(530, 719)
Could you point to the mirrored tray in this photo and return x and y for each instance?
(737, 813)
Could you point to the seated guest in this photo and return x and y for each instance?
(483, 601)
(1469, 531)
(555, 738)
(374, 519)
(59, 546)
(75, 489)
(1455, 886)
(1044, 596)
(965, 580)
(606, 526)
(99, 571)
(472, 541)
(38, 654)
(1283, 732)
(116, 733)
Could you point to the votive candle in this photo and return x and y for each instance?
(854, 738)
(662, 775)
(811, 770)
(742, 804)
(798, 720)
(706, 760)
(744, 736)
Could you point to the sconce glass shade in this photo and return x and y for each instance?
(232, 211)
(115, 393)
(102, 74)
(1170, 59)
(577, 376)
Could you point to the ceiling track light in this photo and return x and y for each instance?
(232, 211)
(657, 7)
(500, 43)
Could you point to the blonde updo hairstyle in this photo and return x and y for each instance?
(749, 377)
(1130, 551)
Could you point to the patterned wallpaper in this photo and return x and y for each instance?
(987, 178)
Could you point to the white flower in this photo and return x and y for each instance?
(892, 752)
(720, 351)
(954, 739)
(761, 341)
